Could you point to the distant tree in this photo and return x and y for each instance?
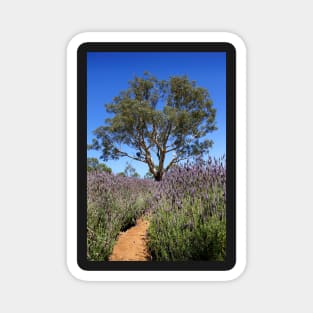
(93, 164)
(130, 171)
(104, 168)
(149, 175)
(157, 117)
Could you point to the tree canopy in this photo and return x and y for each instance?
(93, 164)
(154, 118)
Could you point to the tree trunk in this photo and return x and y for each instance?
(158, 176)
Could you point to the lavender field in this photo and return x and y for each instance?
(186, 211)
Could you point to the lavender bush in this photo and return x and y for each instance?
(113, 204)
(188, 220)
(186, 211)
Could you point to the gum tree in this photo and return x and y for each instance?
(155, 118)
(93, 164)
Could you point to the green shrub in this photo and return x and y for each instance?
(187, 234)
(114, 204)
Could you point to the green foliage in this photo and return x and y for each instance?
(151, 129)
(184, 234)
(104, 224)
(114, 204)
(100, 234)
(93, 164)
(189, 216)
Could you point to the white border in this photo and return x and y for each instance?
(73, 45)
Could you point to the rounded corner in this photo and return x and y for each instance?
(235, 41)
(236, 271)
(76, 271)
(77, 41)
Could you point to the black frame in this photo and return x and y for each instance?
(230, 258)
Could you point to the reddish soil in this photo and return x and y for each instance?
(131, 245)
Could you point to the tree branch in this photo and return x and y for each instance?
(142, 143)
(175, 148)
(167, 134)
(173, 161)
(152, 136)
(122, 153)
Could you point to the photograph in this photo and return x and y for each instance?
(156, 156)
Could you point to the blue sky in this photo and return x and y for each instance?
(109, 72)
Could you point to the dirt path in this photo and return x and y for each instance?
(131, 245)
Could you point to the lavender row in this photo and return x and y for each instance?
(113, 205)
(187, 211)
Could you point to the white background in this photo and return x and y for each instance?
(33, 275)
